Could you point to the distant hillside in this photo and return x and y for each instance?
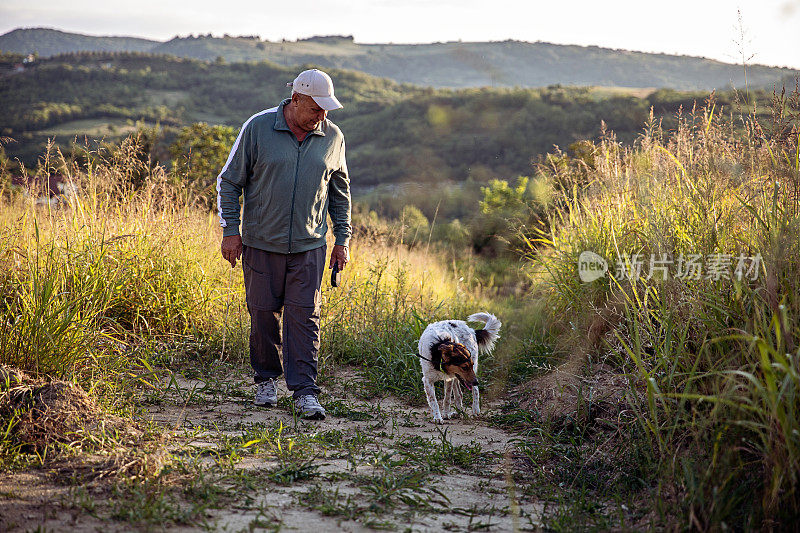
(47, 42)
(452, 64)
(395, 133)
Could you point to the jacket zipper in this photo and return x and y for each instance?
(294, 192)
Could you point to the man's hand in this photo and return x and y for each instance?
(340, 255)
(232, 248)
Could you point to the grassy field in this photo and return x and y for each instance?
(638, 92)
(167, 98)
(94, 128)
(629, 402)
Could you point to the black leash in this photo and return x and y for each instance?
(436, 364)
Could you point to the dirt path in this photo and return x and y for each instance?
(481, 495)
(218, 463)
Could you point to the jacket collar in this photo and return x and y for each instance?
(281, 125)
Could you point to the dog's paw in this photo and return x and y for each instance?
(438, 420)
(476, 411)
(451, 414)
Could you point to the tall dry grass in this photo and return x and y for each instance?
(125, 266)
(714, 362)
(125, 275)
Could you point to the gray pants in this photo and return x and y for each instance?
(291, 282)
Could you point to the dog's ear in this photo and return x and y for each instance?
(452, 352)
(446, 352)
(439, 349)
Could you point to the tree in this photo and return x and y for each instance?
(199, 153)
(506, 210)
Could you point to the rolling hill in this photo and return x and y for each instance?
(450, 64)
(49, 42)
(395, 133)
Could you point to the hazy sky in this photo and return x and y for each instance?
(693, 27)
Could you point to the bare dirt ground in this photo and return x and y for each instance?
(372, 464)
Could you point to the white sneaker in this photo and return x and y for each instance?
(309, 407)
(266, 394)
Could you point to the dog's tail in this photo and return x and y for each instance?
(489, 334)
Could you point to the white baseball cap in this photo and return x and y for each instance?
(318, 86)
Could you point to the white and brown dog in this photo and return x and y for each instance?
(448, 350)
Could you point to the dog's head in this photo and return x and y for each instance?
(457, 361)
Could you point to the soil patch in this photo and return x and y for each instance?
(40, 412)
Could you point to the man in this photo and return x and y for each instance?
(289, 163)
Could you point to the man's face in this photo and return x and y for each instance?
(307, 114)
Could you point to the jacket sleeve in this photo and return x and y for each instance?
(231, 181)
(340, 203)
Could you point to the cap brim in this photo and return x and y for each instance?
(328, 103)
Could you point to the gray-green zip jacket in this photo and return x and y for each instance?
(288, 186)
